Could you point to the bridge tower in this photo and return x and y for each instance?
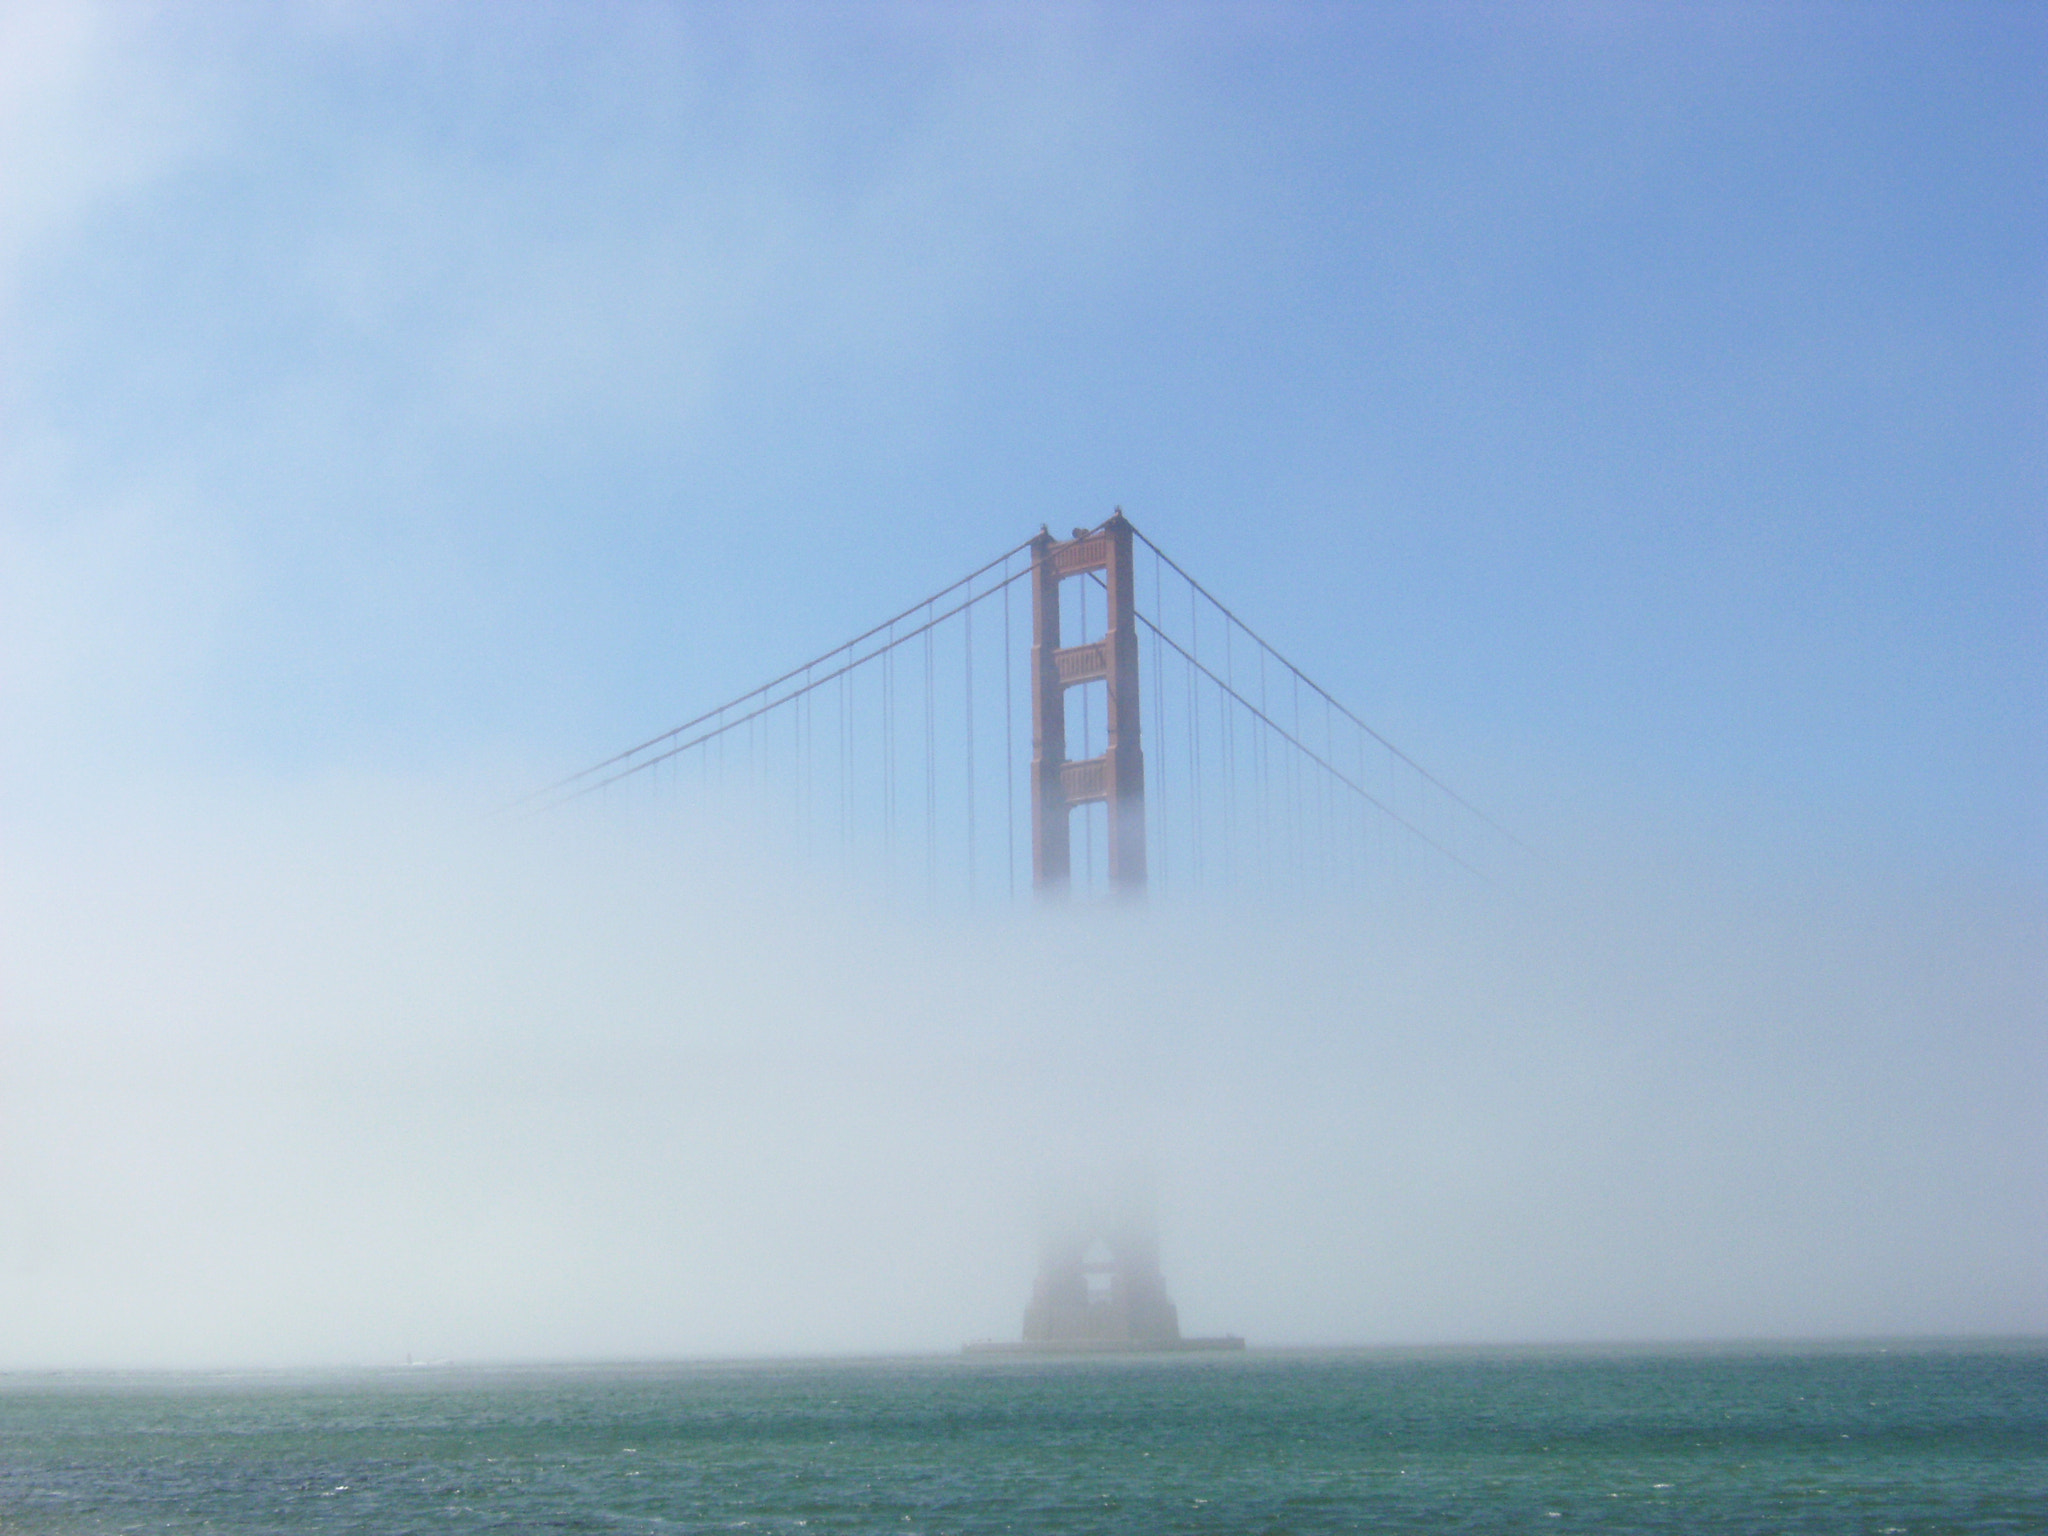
(1117, 777)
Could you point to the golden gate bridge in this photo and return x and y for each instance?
(1076, 714)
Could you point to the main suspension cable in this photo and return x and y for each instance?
(1223, 609)
(571, 789)
(804, 670)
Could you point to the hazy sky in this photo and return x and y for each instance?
(1636, 411)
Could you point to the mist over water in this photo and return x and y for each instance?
(351, 1073)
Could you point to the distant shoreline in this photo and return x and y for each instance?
(1940, 1344)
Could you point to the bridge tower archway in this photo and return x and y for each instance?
(1099, 1286)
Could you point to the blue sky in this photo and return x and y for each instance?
(1604, 400)
(1635, 411)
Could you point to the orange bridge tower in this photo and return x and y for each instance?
(1117, 777)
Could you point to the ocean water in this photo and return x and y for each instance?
(1891, 1441)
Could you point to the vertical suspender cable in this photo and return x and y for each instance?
(1260, 756)
(1087, 744)
(845, 766)
(1329, 789)
(889, 756)
(1009, 738)
(1228, 761)
(1197, 785)
(1159, 733)
(967, 619)
(931, 772)
(803, 746)
(1225, 698)
(1297, 826)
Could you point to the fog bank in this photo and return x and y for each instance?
(346, 1073)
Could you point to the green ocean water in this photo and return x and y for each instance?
(1882, 1440)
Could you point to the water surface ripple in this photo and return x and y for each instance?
(1881, 1441)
